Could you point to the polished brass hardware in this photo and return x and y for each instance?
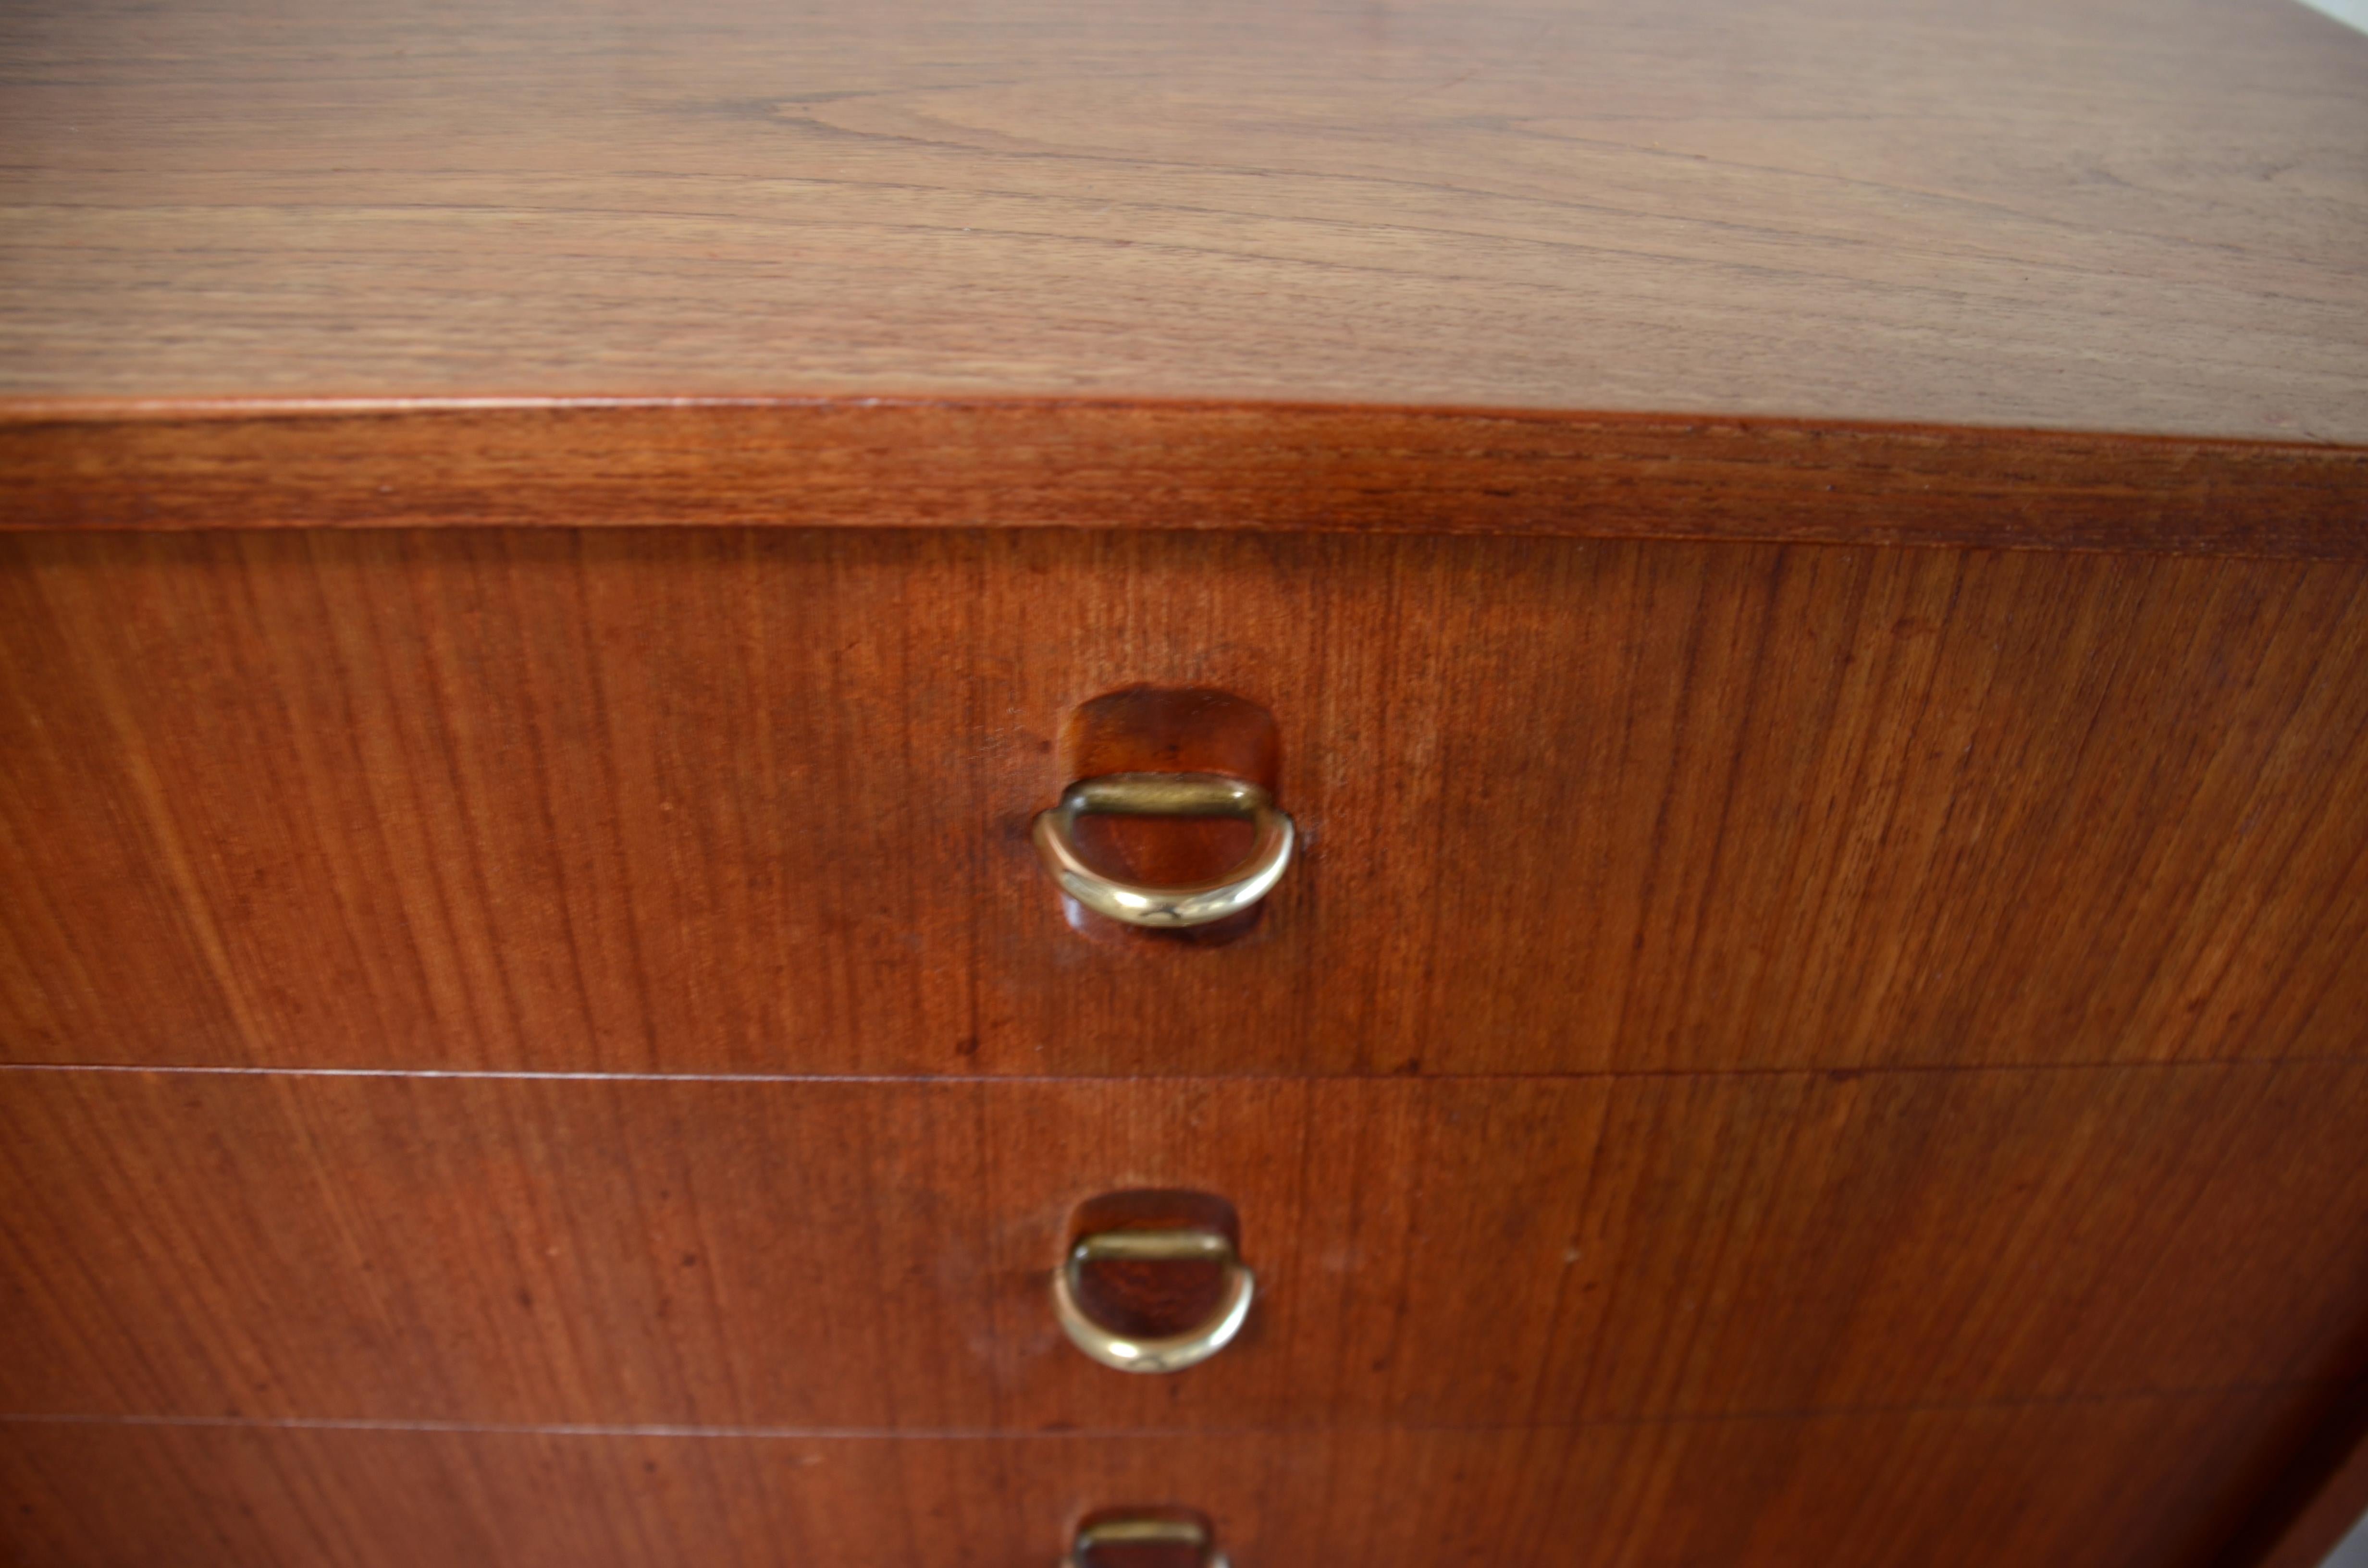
(1165, 795)
(1137, 1353)
(1145, 1530)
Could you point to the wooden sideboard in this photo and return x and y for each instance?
(1801, 571)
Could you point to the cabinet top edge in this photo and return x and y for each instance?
(921, 461)
(21, 411)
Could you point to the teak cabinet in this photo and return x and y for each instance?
(1798, 572)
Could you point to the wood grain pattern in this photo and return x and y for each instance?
(757, 801)
(874, 1257)
(2132, 1484)
(2103, 215)
(884, 462)
(1779, 1048)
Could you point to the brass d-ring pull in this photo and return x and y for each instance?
(1130, 1353)
(1165, 795)
(1145, 1531)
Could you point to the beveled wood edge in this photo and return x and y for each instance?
(2323, 1492)
(1025, 462)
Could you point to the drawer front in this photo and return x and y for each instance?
(756, 801)
(875, 1257)
(691, 801)
(2133, 1481)
(1757, 1039)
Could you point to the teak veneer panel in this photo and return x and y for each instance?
(866, 1256)
(757, 801)
(2134, 215)
(2133, 1483)
(1961, 949)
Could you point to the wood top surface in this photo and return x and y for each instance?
(2097, 215)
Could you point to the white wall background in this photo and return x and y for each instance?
(2352, 1552)
(2356, 13)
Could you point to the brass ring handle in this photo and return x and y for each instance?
(1130, 1353)
(1144, 1532)
(1165, 795)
